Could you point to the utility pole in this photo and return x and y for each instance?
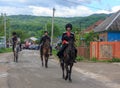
(5, 28)
(9, 36)
(52, 26)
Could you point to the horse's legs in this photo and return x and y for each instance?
(42, 60)
(67, 71)
(62, 66)
(46, 61)
(14, 56)
(70, 71)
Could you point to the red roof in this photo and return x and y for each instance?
(90, 28)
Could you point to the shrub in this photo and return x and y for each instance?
(80, 58)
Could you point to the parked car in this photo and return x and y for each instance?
(34, 47)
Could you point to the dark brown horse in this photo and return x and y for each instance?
(45, 52)
(67, 61)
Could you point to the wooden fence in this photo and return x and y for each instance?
(105, 50)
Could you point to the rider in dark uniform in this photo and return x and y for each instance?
(43, 40)
(66, 37)
(14, 40)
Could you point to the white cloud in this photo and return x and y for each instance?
(42, 11)
(14, 10)
(61, 11)
(113, 10)
(14, 0)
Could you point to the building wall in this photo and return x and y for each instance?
(105, 50)
(113, 36)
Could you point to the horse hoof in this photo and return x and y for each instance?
(46, 66)
(70, 80)
(66, 78)
(42, 65)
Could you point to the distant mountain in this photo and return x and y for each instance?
(36, 23)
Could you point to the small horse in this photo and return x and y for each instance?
(45, 52)
(67, 61)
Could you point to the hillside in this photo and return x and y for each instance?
(27, 25)
(33, 23)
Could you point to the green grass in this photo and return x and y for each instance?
(80, 58)
(106, 61)
(54, 52)
(115, 60)
(5, 50)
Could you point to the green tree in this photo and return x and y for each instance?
(89, 37)
(1, 26)
(22, 34)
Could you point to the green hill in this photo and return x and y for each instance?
(35, 25)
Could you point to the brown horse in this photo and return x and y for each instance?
(45, 52)
(67, 61)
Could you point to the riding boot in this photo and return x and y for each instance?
(74, 60)
(50, 50)
(41, 48)
(60, 53)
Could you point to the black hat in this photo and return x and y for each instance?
(14, 33)
(45, 31)
(68, 25)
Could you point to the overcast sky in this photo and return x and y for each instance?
(64, 8)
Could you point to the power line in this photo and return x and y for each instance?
(86, 5)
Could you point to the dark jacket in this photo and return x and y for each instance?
(14, 40)
(66, 37)
(44, 38)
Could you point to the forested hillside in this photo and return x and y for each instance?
(28, 25)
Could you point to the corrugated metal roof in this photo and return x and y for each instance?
(112, 23)
(90, 28)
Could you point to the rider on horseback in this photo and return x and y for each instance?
(14, 40)
(43, 40)
(66, 37)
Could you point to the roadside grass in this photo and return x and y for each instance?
(54, 52)
(5, 50)
(80, 58)
(107, 61)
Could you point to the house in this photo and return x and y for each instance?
(109, 29)
(90, 28)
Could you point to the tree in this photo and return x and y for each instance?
(1, 25)
(22, 34)
(89, 37)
